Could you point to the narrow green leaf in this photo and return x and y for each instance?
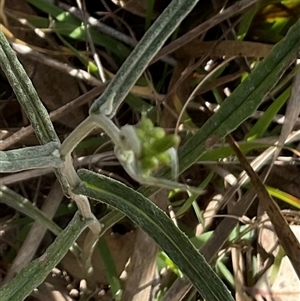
(249, 16)
(89, 65)
(225, 272)
(226, 151)
(41, 156)
(28, 98)
(70, 26)
(149, 13)
(264, 121)
(35, 273)
(110, 268)
(21, 204)
(284, 196)
(240, 105)
(25, 93)
(139, 58)
(245, 99)
(159, 226)
(246, 22)
(276, 265)
(188, 203)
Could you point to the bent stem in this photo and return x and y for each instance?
(85, 127)
(69, 145)
(127, 157)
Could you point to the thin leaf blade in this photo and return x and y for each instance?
(156, 223)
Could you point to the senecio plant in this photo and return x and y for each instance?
(141, 149)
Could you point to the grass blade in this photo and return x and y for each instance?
(263, 123)
(19, 203)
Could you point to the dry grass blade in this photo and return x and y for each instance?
(182, 286)
(225, 48)
(55, 115)
(291, 116)
(36, 233)
(226, 13)
(285, 235)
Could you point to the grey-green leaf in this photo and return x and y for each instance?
(26, 93)
(35, 273)
(41, 156)
(140, 57)
(245, 99)
(160, 227)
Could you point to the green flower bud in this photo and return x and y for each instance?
(154, 146)
(149, 164)
(145, 125)
(158, 133)
(164, 158)
(162, 145)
